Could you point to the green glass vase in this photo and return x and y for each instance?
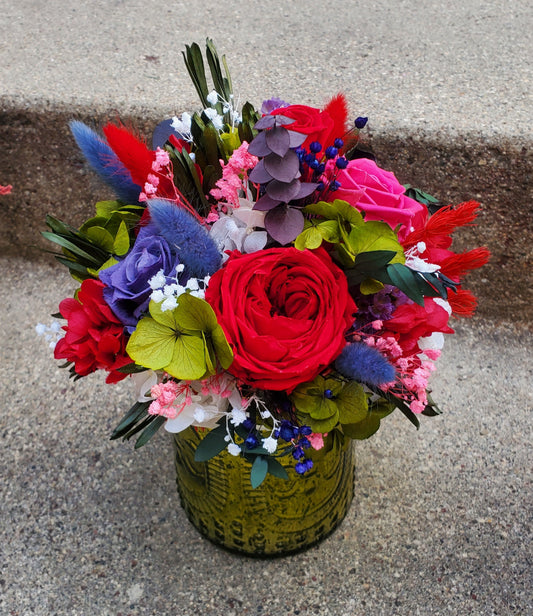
(279, 517)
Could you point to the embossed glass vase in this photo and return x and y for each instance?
(279, 517)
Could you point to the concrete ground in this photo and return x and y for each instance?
(441, 522)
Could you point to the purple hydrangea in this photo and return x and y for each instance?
(127, 290)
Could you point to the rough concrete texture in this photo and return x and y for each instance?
(441, 523)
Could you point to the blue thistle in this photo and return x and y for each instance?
(195, 249)
(364, 364)
(105, 162)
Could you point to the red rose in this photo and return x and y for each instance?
(285, 313)
(94, 337)
(383, 197)
(318, 125)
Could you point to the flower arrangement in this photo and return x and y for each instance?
(259, 277)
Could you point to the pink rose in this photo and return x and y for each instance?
(383, 197)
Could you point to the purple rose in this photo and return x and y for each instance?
(127, 290)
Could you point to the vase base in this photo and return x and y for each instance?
(278, 518)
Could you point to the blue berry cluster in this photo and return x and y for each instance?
(318, 167)
(252, 440)
(297, 435)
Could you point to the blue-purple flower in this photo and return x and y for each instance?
(127, 283)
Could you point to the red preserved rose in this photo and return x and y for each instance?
(285, 313)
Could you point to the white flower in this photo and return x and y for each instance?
(157, 296)
(183, 125)
(217, 120)
(169, 304)
(212, 98)
(235, 231)
(234, 449)
(158, 281)
(419, 265)
(40, 328)
(203, 410)
(270, 444)
(144, 381)
(237, 416)
(192, 284)
(199, 414)
(434, 342)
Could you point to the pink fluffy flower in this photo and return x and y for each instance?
(234, 176)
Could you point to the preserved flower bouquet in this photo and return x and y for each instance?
(259, 277)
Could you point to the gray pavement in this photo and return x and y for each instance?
(441, 523)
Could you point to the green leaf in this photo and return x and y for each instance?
(352, 403)
(222, 85)
(188, 359)
(74, 266)
(419, 195)
(71, 247)
(151, 344)
(194, 314)
(276, 469)
(58, 227)
(121, 245)
(106, 208)
(375, 236)
(334, 210)
(101, 237)
(195, 66)
(212, 444)
(371, 423)
(131, 369)
(405, 279)
(329, 229)
(369, 261)
(309, 238)
(149, 431)
(222, 348)
(370, 286)
(259, 471)
(135, 414)
(401, 406)
(139, 426)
